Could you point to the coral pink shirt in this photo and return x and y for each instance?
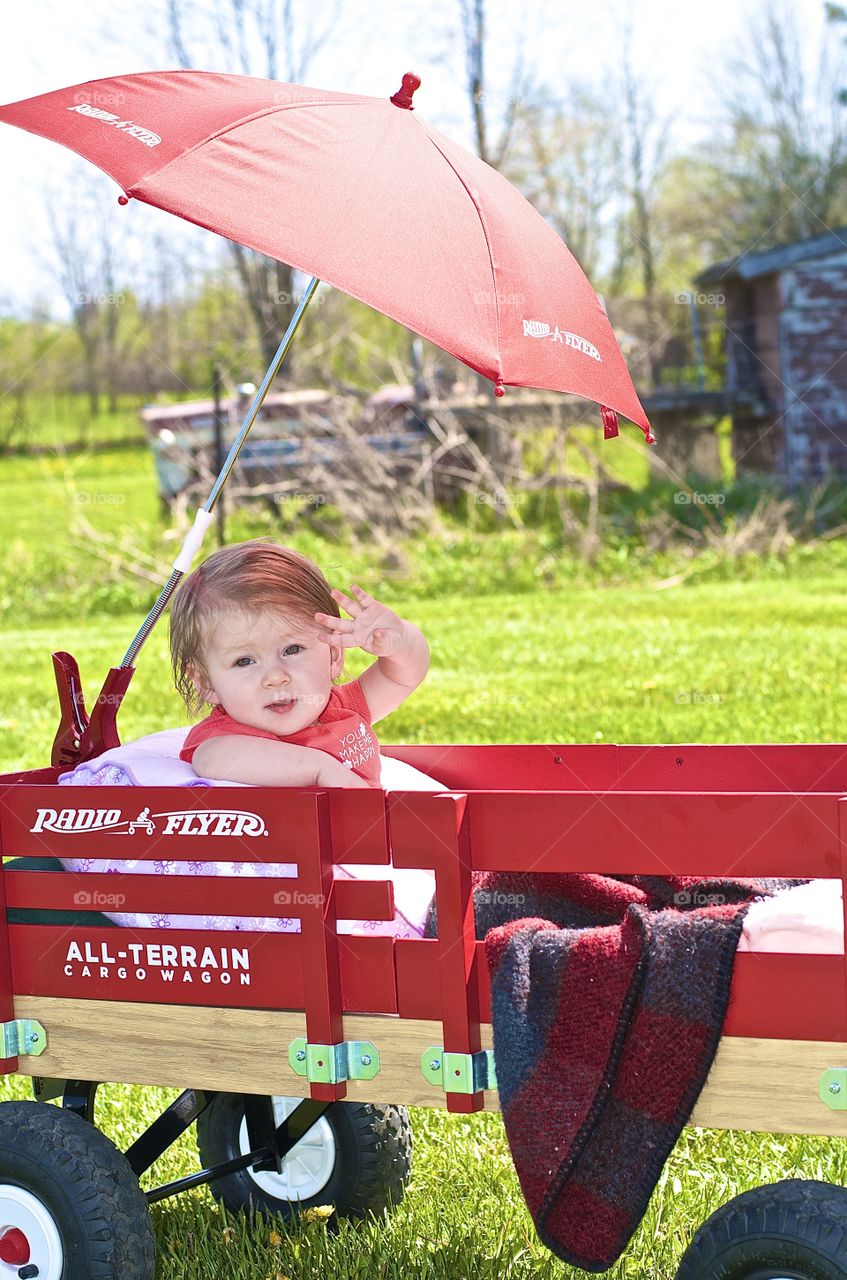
(343, 730)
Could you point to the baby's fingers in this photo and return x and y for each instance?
(362, 596)
(341, 638)
(351, 606)
(334, 624)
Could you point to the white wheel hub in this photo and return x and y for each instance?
(305, 1170)
(23, 1210)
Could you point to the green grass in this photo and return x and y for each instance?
(719, 661)
(702, 664)
(45, 421)
(529, 644)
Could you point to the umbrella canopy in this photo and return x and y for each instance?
(364, 194)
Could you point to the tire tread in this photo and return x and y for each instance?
(95, 1177)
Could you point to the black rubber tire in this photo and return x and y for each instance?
(373, 1156)
(793, 1230)
(87, 1187)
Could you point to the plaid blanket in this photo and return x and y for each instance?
(608, 996)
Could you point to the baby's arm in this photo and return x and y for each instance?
(237, 758)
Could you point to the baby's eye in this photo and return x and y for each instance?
(293, 647)
(242, 662)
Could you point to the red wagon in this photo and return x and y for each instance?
(253, 1023)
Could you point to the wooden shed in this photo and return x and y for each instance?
(786, 344)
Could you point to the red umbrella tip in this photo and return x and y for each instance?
(123, 199)
(403, 96)
(499, 389)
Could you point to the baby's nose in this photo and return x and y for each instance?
(276, 674)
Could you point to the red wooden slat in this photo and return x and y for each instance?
(842, 834)
(514, 768)
(787, 997)
(795, 767)
(189, 824)
(409, 824)
(40, 954)
(359, 826)
(188, 895)
(7, 1009)
(451, 859)
(773, 996)
(319, 951)
(606, 767)
(661, 834)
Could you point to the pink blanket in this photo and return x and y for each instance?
(154, 762)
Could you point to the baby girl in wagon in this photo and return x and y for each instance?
(256, 634)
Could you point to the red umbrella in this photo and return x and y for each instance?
(356, 191)
(363, 193)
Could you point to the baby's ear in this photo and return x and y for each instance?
(336, 660)
(200, 680)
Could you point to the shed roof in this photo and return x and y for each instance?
(748, 266)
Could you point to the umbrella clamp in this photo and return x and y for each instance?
(459, 1072)
(23, 1036)
(332, 1063)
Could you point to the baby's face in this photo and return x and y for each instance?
(268, 670)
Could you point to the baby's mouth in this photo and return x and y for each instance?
(281, 707)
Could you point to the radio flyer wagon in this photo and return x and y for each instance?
(252, 1024)
(281, 1042)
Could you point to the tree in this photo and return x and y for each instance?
(565, 158)
(87, 244)
(836, 13)
(472, 13)
(278, 39)
(777, 171)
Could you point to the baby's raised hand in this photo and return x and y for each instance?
(371, 626)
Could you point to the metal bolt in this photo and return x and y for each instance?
(28, 1272)
(366, 1059)
(33, 1038)
(301, 1055)
(434, 1065)
(835, 1087)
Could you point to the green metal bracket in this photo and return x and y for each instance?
(332, 1063)
(832, 1088)
(459, 1072)
(23, 1036)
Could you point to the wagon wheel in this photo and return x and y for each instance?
(793, 1230)
(70, 1205)
(356, 1157)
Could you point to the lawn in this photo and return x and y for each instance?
(717, 662)
(527, 646)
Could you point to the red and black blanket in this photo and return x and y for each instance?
(608, 998)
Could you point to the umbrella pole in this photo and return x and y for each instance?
(203, 519)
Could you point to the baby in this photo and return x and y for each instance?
(256, 634)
